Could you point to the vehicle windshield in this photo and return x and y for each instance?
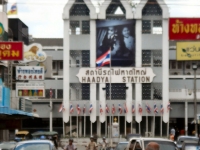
(192, 147)
(33, 146)
(121, 146)
(164, 145)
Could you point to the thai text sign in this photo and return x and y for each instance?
(31, 89)
(11, 50)
(184, 29)
(115, 75)
(187, 51)
(30, 72)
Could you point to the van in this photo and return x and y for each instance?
(140, 143)
(22, 135)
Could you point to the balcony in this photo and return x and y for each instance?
(183, 94)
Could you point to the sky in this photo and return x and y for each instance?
(44, 17)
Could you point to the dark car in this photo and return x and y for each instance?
(191, 145)
(182, 139)
(35, 145)
(7, 145)
(121, 146)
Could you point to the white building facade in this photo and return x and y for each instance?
(84, 34)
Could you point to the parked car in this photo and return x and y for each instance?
(121, 145)
(191, 145)
(35, 145)
(182, 139)
(7, 145)
(141, 143)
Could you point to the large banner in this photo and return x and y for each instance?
(184, 29)
(115, 43)
(187, 51)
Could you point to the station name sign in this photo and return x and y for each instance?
(116, 75)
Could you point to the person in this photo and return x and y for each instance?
(137, 146)
(171, 137)
(55, 142)
(132, 145)
(172, 131)
(92, 145)
(103, 144)
(70, 146)
(152, 146)
(128, 39)
(109, 42)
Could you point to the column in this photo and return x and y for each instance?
(138, 63)
(165, 69)
(93, 64)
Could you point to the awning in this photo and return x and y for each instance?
(8, 111)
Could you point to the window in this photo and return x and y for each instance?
(118, 91)
(60, 93)
(85, 91)
(75, 27)
(173, 64)
(146, 26)
(85, 27)
(187, 65)
(146, 91)
(146, 58)
(61, 64)
(179, 64)
(157, 58)
(54, 64)
(157, 27)
(47, 93)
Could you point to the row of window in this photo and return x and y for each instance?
(118, 91)
(148, 27)
(173, 64)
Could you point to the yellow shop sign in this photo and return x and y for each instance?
(187, 51)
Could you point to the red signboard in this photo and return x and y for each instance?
(11, 50)
(184, 29)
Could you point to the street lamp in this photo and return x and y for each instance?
(194, 67)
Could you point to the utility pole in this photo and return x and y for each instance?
(194, 67)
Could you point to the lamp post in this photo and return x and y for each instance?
(194, 67)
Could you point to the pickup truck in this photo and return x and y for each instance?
(140, 143)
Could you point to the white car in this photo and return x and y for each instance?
(35, 145)
(140, 143)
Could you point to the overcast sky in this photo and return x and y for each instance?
(44, 17)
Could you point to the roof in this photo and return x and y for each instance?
(8, 111)
(150, 139)
(22, 132)
(48, 41)
(36, 141)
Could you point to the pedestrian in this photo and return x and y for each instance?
(103, 144)
(152, 146)
(55, 142)
(171, 137)
(70, 146)
(92, 145)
